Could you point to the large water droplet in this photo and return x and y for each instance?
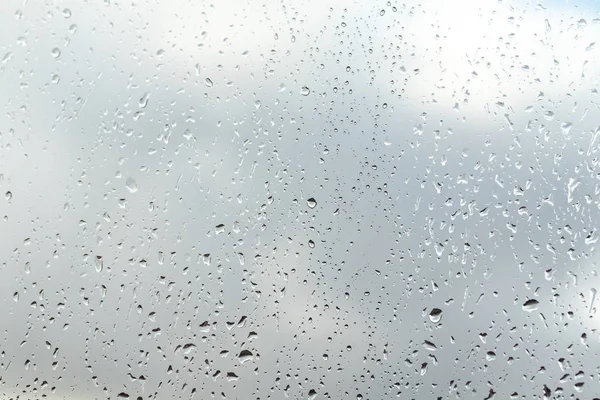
(55, 52)
(305, 91)
(312, 203)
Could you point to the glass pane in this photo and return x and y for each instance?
(313, 200)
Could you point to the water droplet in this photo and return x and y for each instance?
(188, 347)
(131, 185)
(435, 315)
(8, 195)
(305, 91)
(7, 57)
(66, 13)
(231, 376)
(143, 102)
(311, 244)
(99, 264)
(593, 293)
(208, 82)
(245, 355)
(241, 258)
(531, 305)
(55, 52)
(312, 393)
(565, 127)
(312, 203)
(123, 395)
(429, 345)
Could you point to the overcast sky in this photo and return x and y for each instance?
(260, 200)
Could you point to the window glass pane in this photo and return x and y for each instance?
(314, 200)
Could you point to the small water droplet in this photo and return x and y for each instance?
(188, 347)
(8, 195)
(531, 305)
(131, 185)
(7, 57)
(66, 13)
(435, 315)
(311, 244)
(429, 345)
(305, 91)
(99, 264)
(208, 82)
(245, 355)
(311, 203)
(312, 393)
(143, 102)
(232, 376)
(55, 52)
(593, 293)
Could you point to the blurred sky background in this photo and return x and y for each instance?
(158, 237)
